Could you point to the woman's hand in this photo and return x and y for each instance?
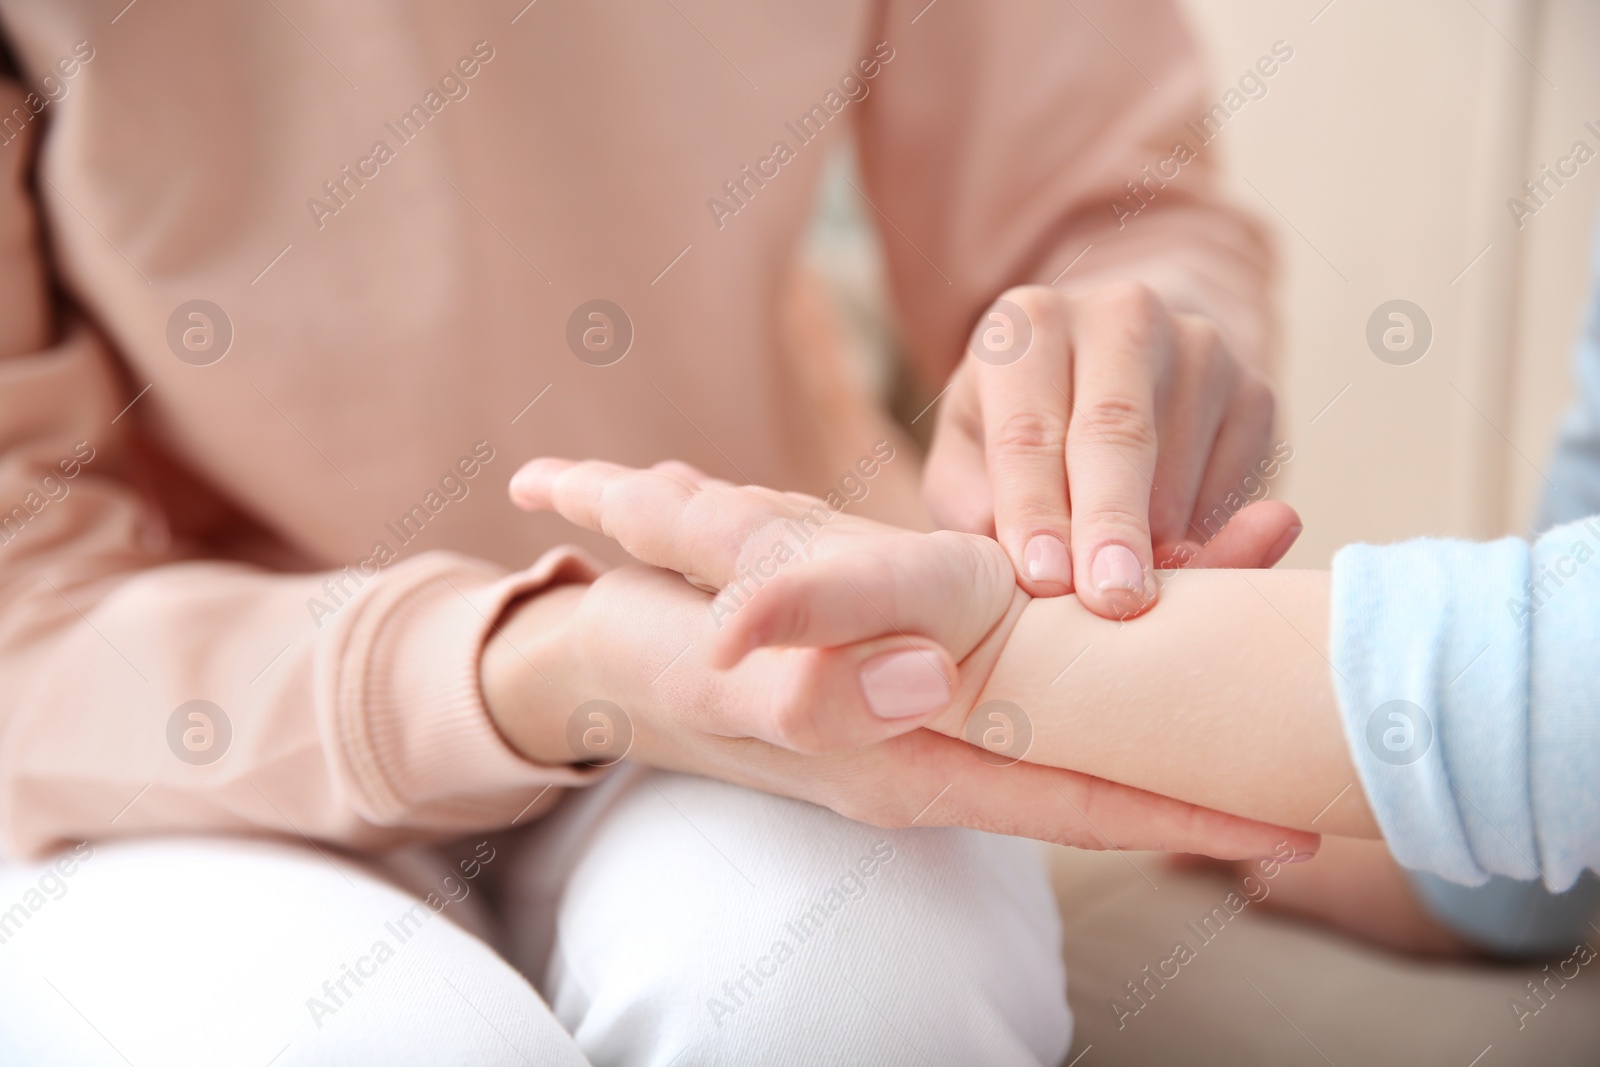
(1095, 435)
(785, 568)
(811, 682)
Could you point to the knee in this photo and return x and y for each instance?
(931, 946)
(226, 951)
(922, 945)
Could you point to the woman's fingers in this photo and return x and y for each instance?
(1202, 381)
(1088, 429)
(533, 487)
(1238, 459)
(785, 570)
(840, 699)
(674, 516)
(1121, 351)
(690, 474)
(921, 778)
(955, 480)
(810, 700)
(890, 582)
(1122, 817)
(1022, 350)
(1258, 536)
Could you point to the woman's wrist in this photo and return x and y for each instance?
(526, 669)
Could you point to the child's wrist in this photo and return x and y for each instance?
(977, 668)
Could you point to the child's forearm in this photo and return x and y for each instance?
(1221, 696)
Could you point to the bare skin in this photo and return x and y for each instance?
(1221, 698)
(1095, 434)
(772, 693)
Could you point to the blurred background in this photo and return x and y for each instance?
(1383, 157)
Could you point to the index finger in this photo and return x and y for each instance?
(658, 517)
(1020, 363)
(1122, 345)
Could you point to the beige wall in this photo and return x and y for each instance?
(1383, 154)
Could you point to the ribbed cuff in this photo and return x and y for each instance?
(1432, 675)
(400, 699)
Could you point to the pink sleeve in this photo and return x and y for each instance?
(363, 728)
(367, 732)
(997, 139)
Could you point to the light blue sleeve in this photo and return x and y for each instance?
(1469, 685)
(1504, 807)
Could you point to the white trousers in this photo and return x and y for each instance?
(664, 919)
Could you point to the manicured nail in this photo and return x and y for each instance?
(1301, 857)
(1280, 548)
(1046, 560)
(1117, 568)
(899, 685)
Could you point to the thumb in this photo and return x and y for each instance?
(948, 587)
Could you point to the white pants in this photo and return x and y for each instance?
(665, 919)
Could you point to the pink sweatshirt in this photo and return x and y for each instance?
(287, 500)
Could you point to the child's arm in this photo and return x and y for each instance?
(1222, 695)
(1446, 691)
(1216, 698)
(788, 590)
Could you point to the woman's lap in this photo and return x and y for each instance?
(696, 922)
(669, 894)
(205, 951)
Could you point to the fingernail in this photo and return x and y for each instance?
(899, 685)
(1046, 560)
(1116, 567)
(1281, 547)
(1301, 857)
(523, 482)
